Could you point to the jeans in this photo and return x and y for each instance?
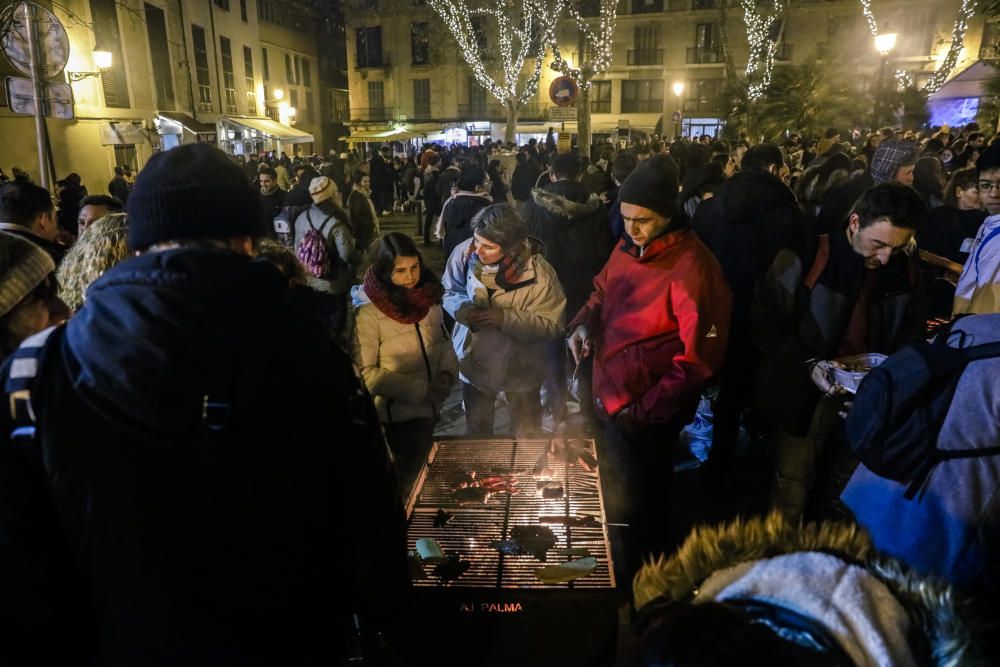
(480, 411)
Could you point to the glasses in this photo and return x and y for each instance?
(988, 186)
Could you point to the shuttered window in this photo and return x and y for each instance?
(108, 37)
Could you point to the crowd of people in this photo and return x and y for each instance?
(224, 378)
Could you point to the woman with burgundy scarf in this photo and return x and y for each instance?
(403, 350)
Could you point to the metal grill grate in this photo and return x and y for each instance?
(472, 528)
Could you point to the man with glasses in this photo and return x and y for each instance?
(978, 289)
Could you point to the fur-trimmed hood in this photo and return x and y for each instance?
(929, 603)
(566, 200)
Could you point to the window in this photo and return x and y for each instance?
(113, 79)
(201, 68)
(289, 70)
(600, 97)
(419, 43)
(306, 73)
(263, 65)
(477, 97)
(248, 80)
(376, 100)
(228, 77)
(368, 47)
(479, 29)
(706, 45)
(293, 98)
(243, 10)
(642, 96)
(422, 98)
(647, 47)
(589, 7)
(307, 117)
(159, 55)
(125, 156)
(646, 6)
(339, 105)
(704, 95)
(704, 35)
(221, 4)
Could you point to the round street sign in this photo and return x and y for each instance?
(676, 116)
(53, 42)
(563, 91)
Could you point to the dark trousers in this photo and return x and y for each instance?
(736, 385)
(480, 411)
(431, 209)
(410, 443)
(555, 378)
(636, 472)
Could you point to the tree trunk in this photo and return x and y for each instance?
(510, 134)
(583, 137)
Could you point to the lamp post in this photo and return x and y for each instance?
(678, 91)
(884, 43)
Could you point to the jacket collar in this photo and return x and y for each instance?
(654, 248)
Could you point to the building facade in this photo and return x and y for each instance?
(406, 71)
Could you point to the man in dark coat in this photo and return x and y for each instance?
(522, 181)
(181, 489)
(272, 197)
(749, 219)
(383, 181)
(71, 193)
(118, 187)
(26, 210)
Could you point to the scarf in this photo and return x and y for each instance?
(507, 273)
(274, 188)
(419, 299)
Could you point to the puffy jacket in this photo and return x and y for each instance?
(749, 219)
(952, 528)
(132, 535)
(512, 357)
(399, 361)
(978, 289)
(456, 217)
(660, 321)
(572, 224)
(791, 324)
(339, 240)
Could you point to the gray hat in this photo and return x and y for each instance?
(23, 266)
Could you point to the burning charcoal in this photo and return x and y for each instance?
(473, 495)
(553, 492)
(442, 518)
(509, 547)
(536, 539)
(452, 568)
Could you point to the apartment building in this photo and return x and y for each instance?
(180, 72)
(406, 71)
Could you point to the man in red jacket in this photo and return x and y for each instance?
(656, 325)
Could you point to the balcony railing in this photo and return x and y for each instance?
(702, 105)
(645, 57)
(496, 112)
(373, 114)
(379, 63)
(697, 55)
(642, 106)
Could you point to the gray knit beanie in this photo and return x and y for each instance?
(23, 266)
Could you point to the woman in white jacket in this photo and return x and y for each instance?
(402, 349)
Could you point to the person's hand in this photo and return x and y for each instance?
(580, 343)
(822, 376)
(485, 318)
(628, 421)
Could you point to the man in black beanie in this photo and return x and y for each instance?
(175, 488)
(656, 326)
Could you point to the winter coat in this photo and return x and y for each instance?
(952, 527)
(876, 611)
(344, 255)
(838, 202)
(400, 361)
(572, 224)
(749, 219)
(69, 206)
(428, 190)
(364, 222)
(119, 188)
(272, 204)
(659, 318)
(978, 289)
(447, 179)
(457, 214)
(138, 536)
(948, 232)
(55, 250)
(522, 181)
(510, 358)
(791, 324)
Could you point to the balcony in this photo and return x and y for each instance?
(373, 114)
(645, 57)
(383, 62)
(704, 105)
(698, 55)
(494, 111)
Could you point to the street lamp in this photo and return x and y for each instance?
(102, 61)
(884, 43)
(678, 91)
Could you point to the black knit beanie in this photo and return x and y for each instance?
(192, 192)
(653, 185)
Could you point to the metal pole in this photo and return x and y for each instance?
(41, 131)
(879, 94)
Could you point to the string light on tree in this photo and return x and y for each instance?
(760, 63)
(600, 42)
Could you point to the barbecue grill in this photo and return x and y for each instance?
(498, 612)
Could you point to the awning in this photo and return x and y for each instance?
(122, 133)
(187, 122)
(270, 129)
(376, 136)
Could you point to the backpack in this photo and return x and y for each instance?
(284, 224)
(894, 423)
(314, 252)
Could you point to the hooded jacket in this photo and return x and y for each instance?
(877, 611)
(131, 533)
(978, 288)
(749, 219)
(457, 214)
(572, 225)
(522, 181)
(659, 317)
(399, 361)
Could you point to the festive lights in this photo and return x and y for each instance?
(938, 78)
(600, 42)
(760, 63)
(523, 30)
